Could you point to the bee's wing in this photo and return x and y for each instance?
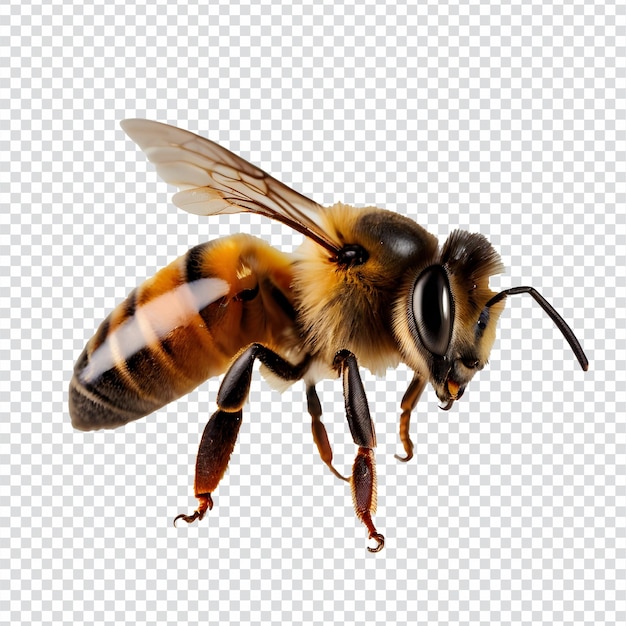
(213, 180)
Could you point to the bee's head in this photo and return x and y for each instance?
(451, 328)
(446, 318)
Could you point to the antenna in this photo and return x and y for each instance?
(560, 323)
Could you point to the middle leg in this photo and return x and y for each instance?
(320, 436)
(363, 480)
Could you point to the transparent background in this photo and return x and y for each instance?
(504, 118)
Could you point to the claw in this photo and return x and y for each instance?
(404, 459)
(188, 518)
(206, 502)
(380, 542)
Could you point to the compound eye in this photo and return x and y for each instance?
(433, 309)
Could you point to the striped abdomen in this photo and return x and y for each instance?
(181, 327)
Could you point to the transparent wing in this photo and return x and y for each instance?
(213, 180)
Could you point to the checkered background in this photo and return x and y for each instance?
(504, 118)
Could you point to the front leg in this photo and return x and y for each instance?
(220, 434)
(409, 400)
(363, 480)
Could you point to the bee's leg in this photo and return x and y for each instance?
(409, 400)
(220, 434)
(216, 446)
(236, 383)
(320, 436)
(363, 479)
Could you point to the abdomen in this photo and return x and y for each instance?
(182, 327)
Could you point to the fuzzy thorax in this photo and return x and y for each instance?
(343, 307)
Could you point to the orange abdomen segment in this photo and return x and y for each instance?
(181, 327)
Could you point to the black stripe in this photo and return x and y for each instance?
(130, 305)
(194, 263)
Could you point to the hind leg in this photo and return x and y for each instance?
(220, 434)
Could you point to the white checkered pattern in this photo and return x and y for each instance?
(504, 118)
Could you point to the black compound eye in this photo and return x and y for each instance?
(433, 309)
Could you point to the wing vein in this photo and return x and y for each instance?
(213, 180)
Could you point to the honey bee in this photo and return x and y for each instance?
(367, 288)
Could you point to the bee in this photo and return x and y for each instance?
(367, 288)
